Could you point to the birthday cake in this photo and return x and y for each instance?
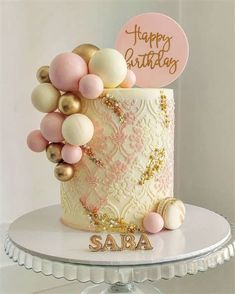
(112, 143)
(137, 161)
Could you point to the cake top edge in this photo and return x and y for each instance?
(145, 91)
(137, 88)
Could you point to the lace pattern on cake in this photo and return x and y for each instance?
(124, 149)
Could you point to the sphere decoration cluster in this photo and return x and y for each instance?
(71, 77)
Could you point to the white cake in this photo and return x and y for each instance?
(136, 157)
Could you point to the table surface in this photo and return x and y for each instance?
(40, 233)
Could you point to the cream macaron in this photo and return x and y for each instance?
(173, 212)
(161, 204)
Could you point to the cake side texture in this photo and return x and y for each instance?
(133, 144)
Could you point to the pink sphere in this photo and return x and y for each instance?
(65, 71)
(153, 223)
(36, 142)
(91, 86)
(51, 127)
(129, 80)
(71, 154)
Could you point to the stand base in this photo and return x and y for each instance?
(121, 289)
(75, 288)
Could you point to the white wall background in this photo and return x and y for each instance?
(33, 32)
(206, 118)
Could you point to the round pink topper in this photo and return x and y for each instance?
(155, 48)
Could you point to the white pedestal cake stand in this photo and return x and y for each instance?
(40, 242)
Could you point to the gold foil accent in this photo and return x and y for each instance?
(113, 104)
(88, 151)
(103, 222)
(163, 106)
(156, 160)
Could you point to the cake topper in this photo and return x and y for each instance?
(155, 48)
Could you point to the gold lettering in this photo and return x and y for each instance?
(110, 244)
(144, 243)
(128, 242)
(95, 239)
(135, 32)
(128, 55)
(153, 58)
(154, 39)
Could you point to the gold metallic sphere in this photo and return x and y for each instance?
(43, 74)
(69, 104)
(53, 152)
(64, 172)
(86, 51)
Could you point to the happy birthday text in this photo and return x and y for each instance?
(159, 45)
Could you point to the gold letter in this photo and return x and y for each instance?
(128, 241)
(128, 55)
(95, 239)
(136, 32)
(144, 243)
(110, 244)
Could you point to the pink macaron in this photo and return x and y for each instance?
(153, 223)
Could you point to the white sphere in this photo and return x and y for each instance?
(77, 129)
(110, 66)
(45, 97)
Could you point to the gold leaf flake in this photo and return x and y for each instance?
(155, 163)
(113, 104)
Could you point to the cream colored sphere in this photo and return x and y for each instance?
(77, 129)
(110, 66)
(45, 97)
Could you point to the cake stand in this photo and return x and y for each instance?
(39, 241)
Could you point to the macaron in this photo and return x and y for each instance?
(153, 223)
(161, 204)
(173, 212)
